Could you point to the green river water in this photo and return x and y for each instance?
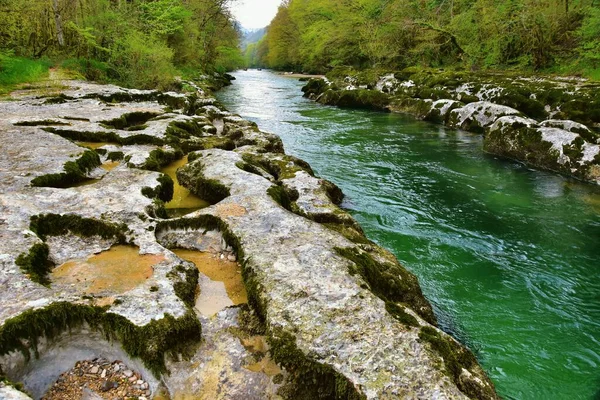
(508, 256)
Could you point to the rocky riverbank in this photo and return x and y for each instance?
(553, 124)
(93, 267)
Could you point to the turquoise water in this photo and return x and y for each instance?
(508, 256)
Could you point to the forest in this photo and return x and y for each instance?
(553, 36)
(135, 43)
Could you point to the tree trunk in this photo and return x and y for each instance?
(59, 26)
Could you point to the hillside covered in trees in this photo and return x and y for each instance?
(137, 43)
(560, 36)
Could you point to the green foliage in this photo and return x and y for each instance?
(164, 17)
(141, 44)
(14, 70)
(142, 61)
(228, 59)
(589, 32)
(317, 35)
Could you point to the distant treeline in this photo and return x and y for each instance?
(138, 43)
(316, 35)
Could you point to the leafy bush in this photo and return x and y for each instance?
(228, 59)
(93, 70)
(142, 61)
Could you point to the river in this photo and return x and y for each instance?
(508, 256)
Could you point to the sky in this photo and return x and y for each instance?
(254, 14)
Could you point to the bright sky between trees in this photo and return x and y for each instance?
(254, 14)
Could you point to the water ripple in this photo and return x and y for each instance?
(508, 256)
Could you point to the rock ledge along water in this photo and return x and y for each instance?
(342, 318)
(562, 133)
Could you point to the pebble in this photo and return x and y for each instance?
(108, 385)
(89, 378)
(231, 258)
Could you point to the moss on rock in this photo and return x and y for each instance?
(209, 189)
(158, 158)
(163, 192)
(456, 358)
(74, 172)
(390, 282)
(36, 264)
(185, 282)
(360, 98)
(151, 343)
(45, 225)
(310, 379)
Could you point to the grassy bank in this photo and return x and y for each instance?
(20, 70)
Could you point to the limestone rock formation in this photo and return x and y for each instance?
(330, 314)
(480, 102)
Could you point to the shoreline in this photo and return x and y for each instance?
(540, 122)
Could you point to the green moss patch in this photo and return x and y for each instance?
(163, 192)
(134, 121)
(185, 283)
(74, 172)
(174, 102)
(35, 263)
(388, 281)
(401, 315)
(361, 99)
(282, 167)
(158, 158)
(456, 357)
(281, 196)
(59, 99)
(184, 129)
(314, 87)
(115, 156)
(151, 343)
(192, 178)
(58, 225)
(205, 223)
(309, 378)
(105, 137)
(47, 122)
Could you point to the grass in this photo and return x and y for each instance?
(18, 70)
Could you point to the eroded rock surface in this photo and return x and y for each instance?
(330, 313)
